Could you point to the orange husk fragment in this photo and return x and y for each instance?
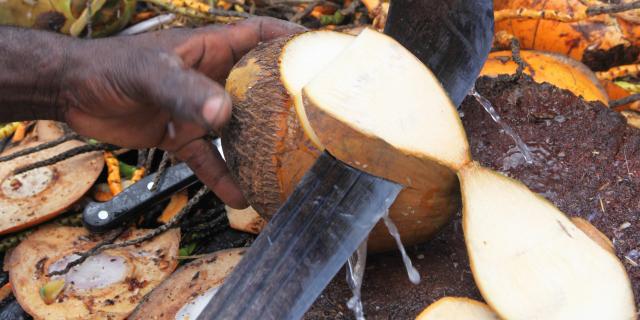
(552, 68)
(177, 202)
(20, 132)
(630, 70)
(113, 177)
(562, 26)
(137, 175)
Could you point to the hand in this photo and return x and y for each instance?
(129, 90)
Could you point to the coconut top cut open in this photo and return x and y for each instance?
(530, 261)
(105, 286)
(374, 107)
(455, 308)
(38, 195)
(184, 295)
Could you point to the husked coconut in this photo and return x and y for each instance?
(32, 197)
(108, 285)
(184, 295)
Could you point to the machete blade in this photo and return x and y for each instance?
(328, 215)
(451, 37)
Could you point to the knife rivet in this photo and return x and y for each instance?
(150, 185)
(103, 214)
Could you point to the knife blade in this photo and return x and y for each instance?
(330, 212)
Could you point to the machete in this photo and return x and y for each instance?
(334, 207)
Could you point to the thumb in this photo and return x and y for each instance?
(187, 94)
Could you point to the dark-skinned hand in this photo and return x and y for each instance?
(129, 90)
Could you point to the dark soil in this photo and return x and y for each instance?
(587, 162)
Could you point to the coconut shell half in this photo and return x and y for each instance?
(106, 286)
(454, 308)
(184, 294)
(38, 195)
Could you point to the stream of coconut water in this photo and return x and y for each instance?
(355, 274)
(486, 104)
(357, 262)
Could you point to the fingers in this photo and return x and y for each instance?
(205, 161)
(186, 93)
(244, 36)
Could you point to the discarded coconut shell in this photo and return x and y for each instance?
(270, 143)
(455, 308)
(106, 286)
(184, 294)
(600, 41)
(559, 70)
(38, 195)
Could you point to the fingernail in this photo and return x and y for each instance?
(213, 110)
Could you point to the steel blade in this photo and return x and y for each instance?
(329, 214)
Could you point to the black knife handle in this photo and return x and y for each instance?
(132, 201)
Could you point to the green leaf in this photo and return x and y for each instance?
(187, 250)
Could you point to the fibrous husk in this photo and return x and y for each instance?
(38, 195)
(188, 290)
(106, 286)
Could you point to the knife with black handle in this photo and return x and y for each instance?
(134, 200)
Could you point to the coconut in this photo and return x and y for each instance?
(185, 294)
(108, 285)
(38, 195)
(386, 115)
(455, 308)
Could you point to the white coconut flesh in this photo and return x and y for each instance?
(379, 89)
(193, 308)
(454, 308)
(302, 58)
(530, 261)
(96, 272)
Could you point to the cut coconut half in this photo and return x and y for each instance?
(38, 195)
(185, 294)
(247, 220)
(530, 261)
(105, 286)
(386, 114)
(454, 308)
(270, 142)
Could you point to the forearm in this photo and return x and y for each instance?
(32, 67)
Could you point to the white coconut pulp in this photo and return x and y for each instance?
(452, 308)
(96, 272)
(192, 309)
(27, 184)
(530, 261)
